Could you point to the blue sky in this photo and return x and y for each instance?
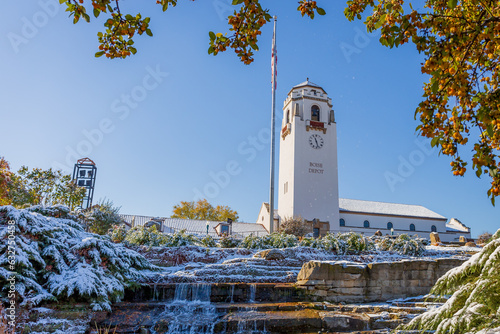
(165, 125)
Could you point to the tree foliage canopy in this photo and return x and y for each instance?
(459, 39)
(37, 187)
(203, 210)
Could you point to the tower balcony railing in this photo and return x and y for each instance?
(315, 125)
(287, 129)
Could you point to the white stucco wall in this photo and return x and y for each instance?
(354, 222)
(311, 174)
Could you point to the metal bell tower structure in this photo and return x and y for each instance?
(84, 174)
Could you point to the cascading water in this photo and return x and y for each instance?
(252, 289)
(190, 312)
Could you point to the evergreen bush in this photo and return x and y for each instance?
(228, 241)
(253, 242)
(55, 258)
(118, 233)
(403, 245)
(208, 241)
(148, 236)
(474, 288)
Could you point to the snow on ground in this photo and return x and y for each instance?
(199, 264)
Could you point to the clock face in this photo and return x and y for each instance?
(316, 141)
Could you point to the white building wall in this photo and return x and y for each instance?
(310, 175)
(423, 226)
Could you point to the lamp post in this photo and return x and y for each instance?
(392, 231)
(208, 225)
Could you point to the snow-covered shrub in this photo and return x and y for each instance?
(118, 233)
(56, 211)
(149, 236)
(228, 241)
(56, 258)
(181, 238)
(403, 245)
(208, 241)
(357, 243)
(474, 304)
(310, 242)
(279, 240)
(101, 217)
(253, 242)
(346, 243)
(334, 243)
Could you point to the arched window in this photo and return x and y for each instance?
(366, 223)
(342, 222)
(434, 228)
(315, 113)
(389, 225)
(412, 227)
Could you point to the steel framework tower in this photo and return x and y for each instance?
(84, 175)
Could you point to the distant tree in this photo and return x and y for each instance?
(295, 226)
(37, 187)
(5, 180)
(484, 238)
(203, 210)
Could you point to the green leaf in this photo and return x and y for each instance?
(237, 2)
(452, 4)
(490, 131)
(133, 50)
(96, 12)
(148, 31)
(212, 35)
(99, 54)
(86, 17)
(380, 21)
(435, 86)
(320, 11)
(211, 50)
(434, 141)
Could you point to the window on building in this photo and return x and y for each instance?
(315, 113)
(288, 116)
(412, 227)
(285, 187)
(434, 228)
(316, 232)
(342, 222)
(366, 223)
(389, 225)
(224, 229)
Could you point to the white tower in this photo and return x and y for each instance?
(308, 176)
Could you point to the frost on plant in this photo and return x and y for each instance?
(475, 300)
(57, 259)
(228, 241)
(403, 245)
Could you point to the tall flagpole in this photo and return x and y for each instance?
(273, 68)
